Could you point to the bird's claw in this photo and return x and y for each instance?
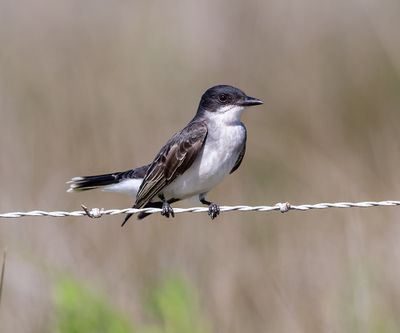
(213, 210)
(167, 210)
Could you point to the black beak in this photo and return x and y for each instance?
(249, 101)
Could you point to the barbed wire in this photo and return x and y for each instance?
(282, 207)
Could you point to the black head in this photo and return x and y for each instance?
(220, 96)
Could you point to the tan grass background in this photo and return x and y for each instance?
(89, 87)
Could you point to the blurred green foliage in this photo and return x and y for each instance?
(80, 309)
(174, 305)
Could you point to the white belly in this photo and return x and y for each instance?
(220, 153)
(127, 186)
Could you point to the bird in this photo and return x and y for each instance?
(192, 162)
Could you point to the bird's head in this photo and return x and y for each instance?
(225, 101)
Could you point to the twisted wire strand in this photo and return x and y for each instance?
(282, 207)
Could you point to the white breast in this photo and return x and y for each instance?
(224, 143)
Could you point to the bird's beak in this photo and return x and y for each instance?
(249, 101)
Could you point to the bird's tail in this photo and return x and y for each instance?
(85, 183)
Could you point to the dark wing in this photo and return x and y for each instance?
(173, 160)
(241, 155)
(139, 172)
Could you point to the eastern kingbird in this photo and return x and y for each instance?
(191, 163)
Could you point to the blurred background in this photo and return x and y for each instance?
(90, 87)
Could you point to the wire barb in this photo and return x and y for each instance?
(284, 207)
(281, 207)
(94, 213)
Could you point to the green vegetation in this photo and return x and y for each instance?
(174, 305)
(80, 309)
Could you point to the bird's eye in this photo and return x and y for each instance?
(223, 98)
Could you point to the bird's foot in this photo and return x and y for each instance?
(167, 210)
(213, 210)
